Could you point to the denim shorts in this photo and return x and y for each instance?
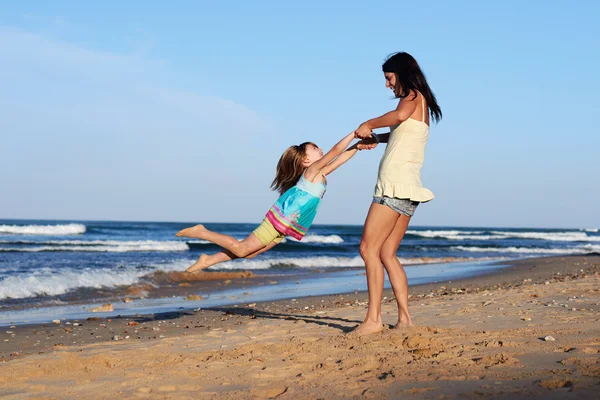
(401, 206)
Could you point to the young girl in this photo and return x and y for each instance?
(300, 180)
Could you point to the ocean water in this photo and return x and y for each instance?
(54, 262)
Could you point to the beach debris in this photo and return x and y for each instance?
(116, 337)
(491, 343)
(227, 282)
(496, 359)
(549, 338)
(525, 319)
(273, 282)
(127, 300)
(56, 321)
(185, 284)
(269, 393)
(252, 305)
(191, 297)
(132, 323)
(93, 319)
(103, 308)
(76, 324)
(555, 383)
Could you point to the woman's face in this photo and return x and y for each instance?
(390, 81)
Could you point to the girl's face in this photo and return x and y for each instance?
(390, 81)
(312, 153)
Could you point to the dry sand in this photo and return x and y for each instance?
(477, 338)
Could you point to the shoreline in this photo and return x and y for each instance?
(168, 291)
(510, 310)
(511, 274)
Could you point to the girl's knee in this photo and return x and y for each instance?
(240, 251)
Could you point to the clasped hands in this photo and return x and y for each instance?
(368, 141)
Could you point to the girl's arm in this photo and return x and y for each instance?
(341, 159)
(335, 151)
(406, 107)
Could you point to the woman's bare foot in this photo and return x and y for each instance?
(403, 324)
(192, 232)
(367, 328)
(199, 265)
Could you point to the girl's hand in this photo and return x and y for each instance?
(366, 144)
(362, 132)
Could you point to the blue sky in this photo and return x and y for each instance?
(147, 111)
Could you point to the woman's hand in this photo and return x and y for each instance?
(362, 132)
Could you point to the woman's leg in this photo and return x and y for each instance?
(380, 223)
(395, 270)
(239, 248)
(207, 260)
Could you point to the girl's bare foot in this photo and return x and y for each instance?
(199, 265)
(192, 232)
(367, 328)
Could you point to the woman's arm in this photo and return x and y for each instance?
(406, 107)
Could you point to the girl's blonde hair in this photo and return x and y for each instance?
(289, 167)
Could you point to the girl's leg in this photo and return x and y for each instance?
(207, 260)
(239, 248)
(380, 223)
(395, 270)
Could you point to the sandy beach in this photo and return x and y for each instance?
(528, 331)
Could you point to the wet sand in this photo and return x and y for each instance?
(480, 337)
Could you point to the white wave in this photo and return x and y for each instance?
(593, 230)
(110, 246)
(68, 229)
(528, 250)
(51, 282)
(320, 239)
(498, 235)
(454, 235)
(552, 236)
(313, 262)
(435, 233)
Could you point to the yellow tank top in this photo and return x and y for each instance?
(400, 167)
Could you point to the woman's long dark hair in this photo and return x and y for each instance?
(409, 77)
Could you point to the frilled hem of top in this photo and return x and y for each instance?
(403, 191)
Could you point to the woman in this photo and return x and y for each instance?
(399, 190)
